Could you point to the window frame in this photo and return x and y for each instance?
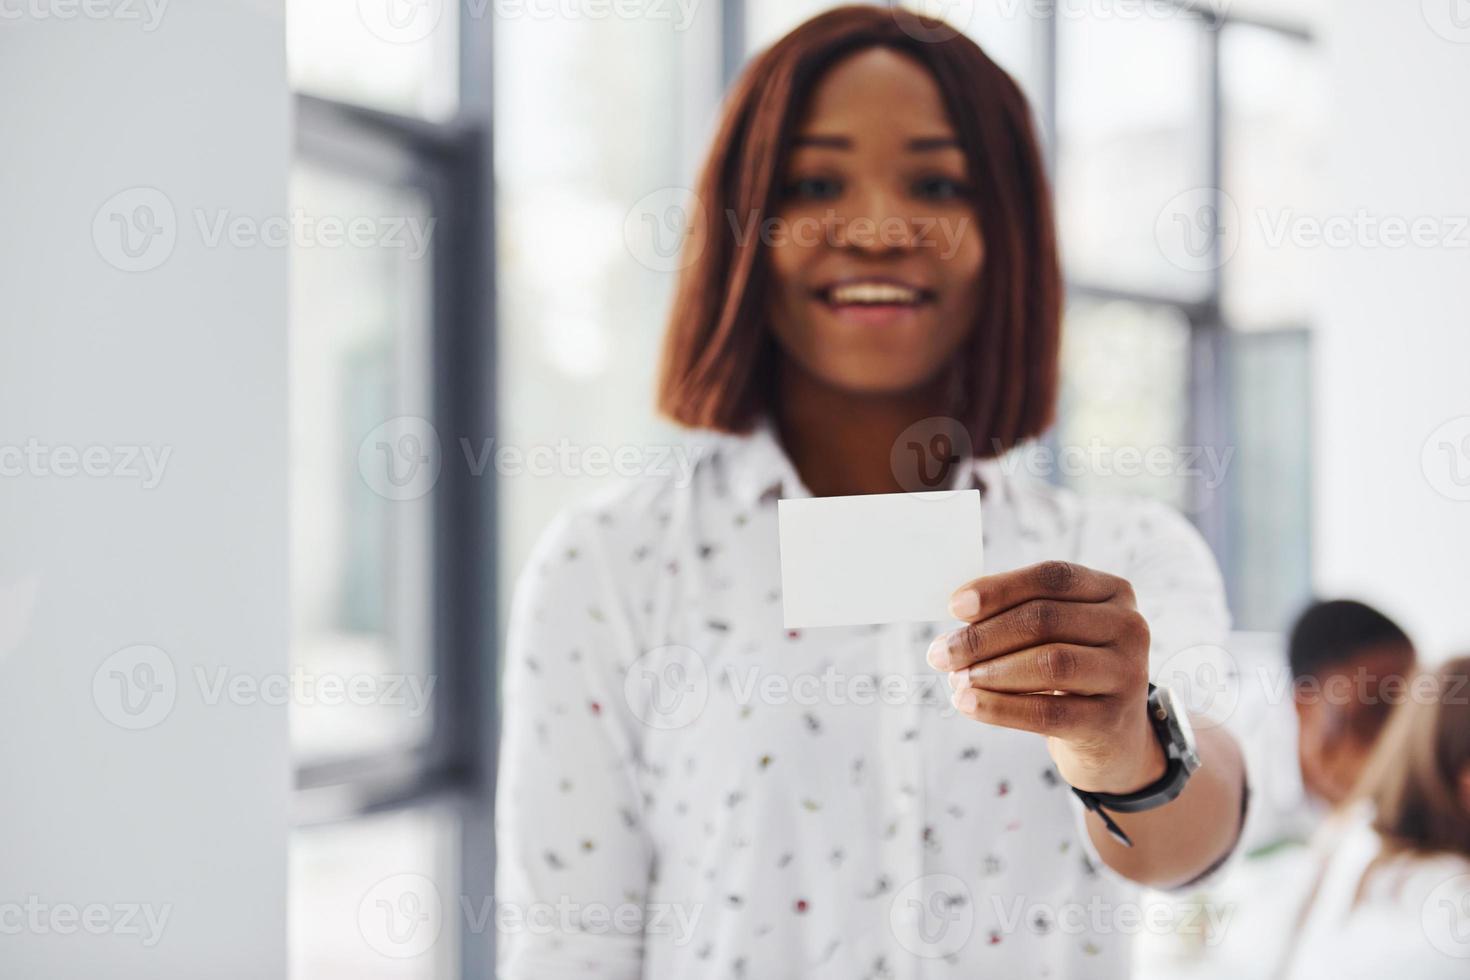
(450, 162)
(453, 161)
(1209, 421)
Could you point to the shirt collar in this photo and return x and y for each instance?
(756, 465)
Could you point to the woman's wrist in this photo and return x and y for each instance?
(1137, 767)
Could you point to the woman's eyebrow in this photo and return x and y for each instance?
(925, 143)
(919, 144)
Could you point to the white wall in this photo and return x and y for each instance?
(178, 811)
(1393, 351)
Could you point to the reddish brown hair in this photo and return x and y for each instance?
(718, 366)
(1416, 775)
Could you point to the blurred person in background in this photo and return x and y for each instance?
(1348, 665)
(1392, 898)
(1347, 659)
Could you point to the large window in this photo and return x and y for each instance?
(390, 346)
(1181, 136)
(535, 300)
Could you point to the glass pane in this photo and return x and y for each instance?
(1009, 32)
(1274, 98)
(1267, 555)
(1132, 153)
(1124, 409)
(583, 289)
(377, 898)
(398, 55)
(767, 21)
(1289, 13)
(360, 509)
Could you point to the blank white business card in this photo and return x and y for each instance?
(877, 558)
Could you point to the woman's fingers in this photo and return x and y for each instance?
(1061, 716)
(1068, 667)
(1036, 622)
(1060, 580)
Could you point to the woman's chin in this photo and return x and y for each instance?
(877, 377)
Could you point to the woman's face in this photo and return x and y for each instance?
(876, 250)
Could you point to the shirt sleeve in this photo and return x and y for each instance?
(573, 859)
(1181, 594)
(1178, 586)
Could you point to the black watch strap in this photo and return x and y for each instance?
(1163, 790)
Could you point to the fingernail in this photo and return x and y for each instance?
(938, 655)
(964, 605)
(967, 699)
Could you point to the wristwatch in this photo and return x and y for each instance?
(1172, 728)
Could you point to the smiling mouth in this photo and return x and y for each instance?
(874, 293)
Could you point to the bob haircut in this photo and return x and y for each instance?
(719, 356)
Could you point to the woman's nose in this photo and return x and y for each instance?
(878, 220)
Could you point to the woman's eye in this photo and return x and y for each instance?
(940, 189)
(814, 188)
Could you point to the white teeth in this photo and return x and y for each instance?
(874, 292)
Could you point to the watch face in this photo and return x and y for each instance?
(1181, 744)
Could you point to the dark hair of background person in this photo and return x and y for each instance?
(1330, 634)
(1327, 640)
(719, 357)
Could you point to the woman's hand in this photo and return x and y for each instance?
(1060, 650)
